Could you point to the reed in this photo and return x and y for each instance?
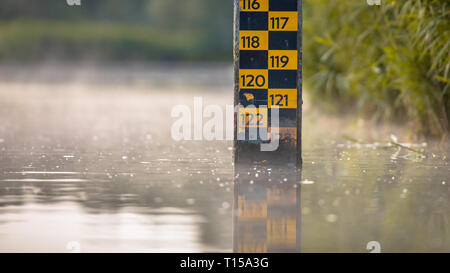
(390, 62)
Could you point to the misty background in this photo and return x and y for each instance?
(137, 30)
(389, 63)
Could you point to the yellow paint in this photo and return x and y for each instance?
(283, 60)
(252, 118)
(253, 40)
(283, 21)
(281, 231)
(253, 78)
(249, 96)
(254, 5)
(279, 196)
(283, 98)
(251, 210)
(251, 247)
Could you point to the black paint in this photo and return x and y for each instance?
(283, 5)
(282, 79)
(254, 20)
(283, 40)
(253, 59)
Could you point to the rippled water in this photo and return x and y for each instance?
(87, 163)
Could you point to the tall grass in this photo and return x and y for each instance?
(391, 62)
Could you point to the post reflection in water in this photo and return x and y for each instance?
(267, 212)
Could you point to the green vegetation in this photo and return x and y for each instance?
(116, 30)
(391, 62)
(38, 39)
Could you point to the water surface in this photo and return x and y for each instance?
(87, 163)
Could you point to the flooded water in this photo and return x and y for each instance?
(87, 163)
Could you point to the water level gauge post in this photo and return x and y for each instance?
(268, 82)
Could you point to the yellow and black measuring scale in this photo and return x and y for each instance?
(268, 58)
(268, 80)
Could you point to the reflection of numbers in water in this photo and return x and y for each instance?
(282, 230)
(374, 247)
(252, 246)
(251, 209)
(74, 247)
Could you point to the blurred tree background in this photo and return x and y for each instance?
(388, 62)
(116, 30)
(391, 62)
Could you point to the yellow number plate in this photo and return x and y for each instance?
(283, 98)
(252, 117)
(253, 40)
(254, 5)
(283, 60)
(283, 21)
(253, 78)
